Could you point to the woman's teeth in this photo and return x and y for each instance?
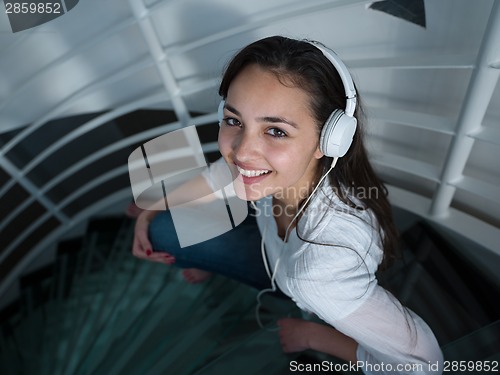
(246, 173)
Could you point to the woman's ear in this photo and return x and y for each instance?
(318, 154)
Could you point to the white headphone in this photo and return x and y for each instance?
(339, 128)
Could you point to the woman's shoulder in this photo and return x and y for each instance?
(328, 216)
(335, 232)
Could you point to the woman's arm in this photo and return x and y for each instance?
(297, 335)
(385, 332)
(192, 190)
(346, 295)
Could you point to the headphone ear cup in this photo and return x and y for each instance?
(220, 111)
(336, 136)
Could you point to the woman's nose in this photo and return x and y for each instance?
(246, 147)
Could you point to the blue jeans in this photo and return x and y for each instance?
(235, 254)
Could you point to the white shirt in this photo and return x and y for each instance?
(338, 284)
(333, 276)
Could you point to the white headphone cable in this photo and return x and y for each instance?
(264, 257)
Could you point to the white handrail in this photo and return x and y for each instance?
(201, 121)
(479, 93)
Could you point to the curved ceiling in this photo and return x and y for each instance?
(431, 93)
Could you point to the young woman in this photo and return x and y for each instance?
(322, 217)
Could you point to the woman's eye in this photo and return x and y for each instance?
(232, 121)
(275, 132)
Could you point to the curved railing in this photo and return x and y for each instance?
(54, 219)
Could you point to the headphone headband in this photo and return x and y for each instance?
(345, 76)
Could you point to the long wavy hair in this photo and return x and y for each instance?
(305, 66)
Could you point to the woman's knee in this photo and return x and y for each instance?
(162, 233)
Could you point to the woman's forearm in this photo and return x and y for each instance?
(298, 335)
(326, 339)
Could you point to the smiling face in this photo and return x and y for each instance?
(268, 137)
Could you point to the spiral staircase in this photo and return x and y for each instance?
(75, 101)
(99, 310)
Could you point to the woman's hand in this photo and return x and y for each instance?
(294, 334)
(141, 246)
